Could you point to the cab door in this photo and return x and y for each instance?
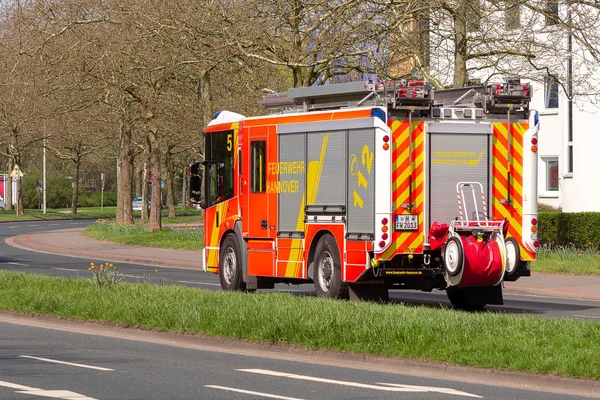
(257, 199)
(259, 228)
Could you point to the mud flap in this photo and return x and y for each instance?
(376, 291)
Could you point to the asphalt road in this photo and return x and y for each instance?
(56, 265)
(43, 363)
(40, 363)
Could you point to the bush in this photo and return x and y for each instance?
(88, 198)
(59, 192)
(579, 230)
(58, 189)
(548, 208)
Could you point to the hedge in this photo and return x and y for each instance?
(580, 230)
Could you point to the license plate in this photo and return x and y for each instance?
(407, 222)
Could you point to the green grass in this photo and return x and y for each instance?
(35, 214)
(489, 340)
(85, 212)
(567, 261)
(183, 237)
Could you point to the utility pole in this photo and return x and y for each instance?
(102, 197)
(44, 173)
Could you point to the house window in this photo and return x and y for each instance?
(551, 12)
(551, 92)
(259, 167)
(551, 174)
(512, 17)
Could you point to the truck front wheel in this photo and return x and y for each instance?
(230, 264)
(328, 271)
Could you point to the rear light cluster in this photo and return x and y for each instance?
(386, 145)
(384, 232)
(534, 230)
(534, 147)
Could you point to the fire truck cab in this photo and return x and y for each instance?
(363, 187)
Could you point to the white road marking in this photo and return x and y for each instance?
(19, 264)
(586, 316)
(68, 363)
(55, 394)
(66, 269)
(272, 396)
(391, 388)
(133, 276)
(34, 225)
(200, 283)
(53, 224)
(13, 227)
(434, 389)
(75, 223)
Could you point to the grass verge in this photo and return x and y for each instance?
(567, 261)
(488, 340)
(183, 237)
(83, 213)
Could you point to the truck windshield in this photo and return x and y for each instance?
(219, 151)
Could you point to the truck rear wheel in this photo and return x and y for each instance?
(328, 270)
(462, 300)
(475, 298)
(230, 264)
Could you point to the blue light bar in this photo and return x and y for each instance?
(377, 112)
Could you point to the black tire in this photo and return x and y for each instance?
(454, 256)
(230, 264)
(328, 271)
(462, 301)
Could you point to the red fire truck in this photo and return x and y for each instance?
(363, 187)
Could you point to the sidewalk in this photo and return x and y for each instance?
(69, 242)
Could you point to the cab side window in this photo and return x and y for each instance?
(259, 167)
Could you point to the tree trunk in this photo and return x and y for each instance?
(460, 44)
(204, 92)
(154, 222)
(139, 180)
(19, 197)
(145, 178)
(124, 211)
(169, 182)
(75, 185)
(8, 194)
(184, 189)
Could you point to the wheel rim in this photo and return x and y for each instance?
(229, 265)
(511, 256)
(325, 273)
(452, 256)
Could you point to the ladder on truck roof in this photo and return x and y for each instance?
(395, 94)
(497, 98)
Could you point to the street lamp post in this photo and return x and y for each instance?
(102, 190)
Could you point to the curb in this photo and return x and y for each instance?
(423, 369)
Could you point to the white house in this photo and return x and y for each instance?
(569, 139)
